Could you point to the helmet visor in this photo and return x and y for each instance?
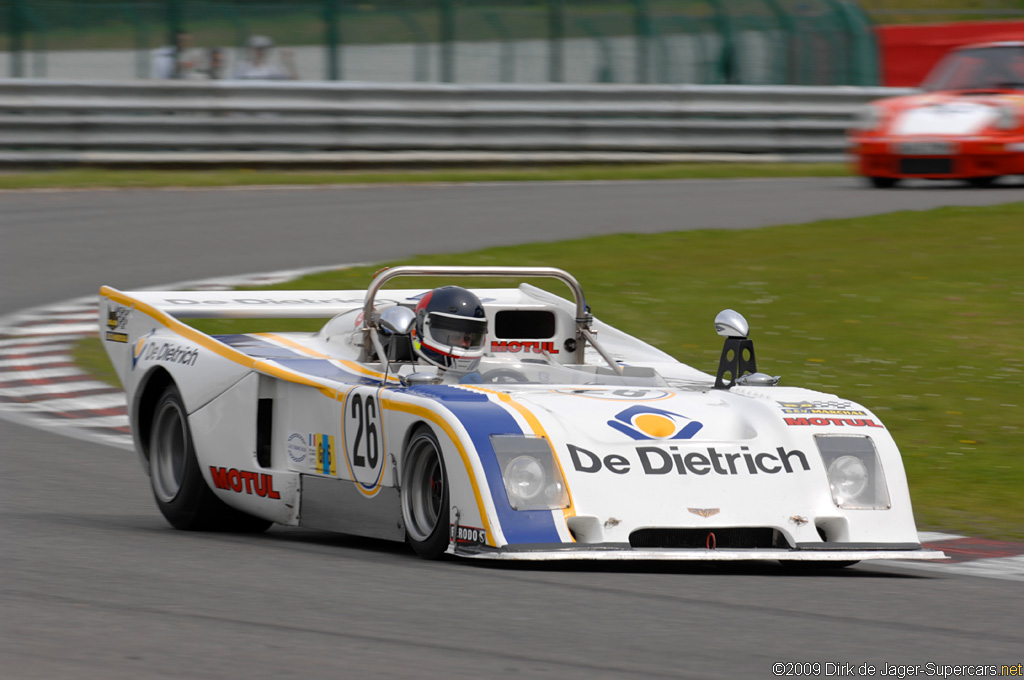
(457, 332)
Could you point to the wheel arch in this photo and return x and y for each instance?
(469, 487)
(148, 394)
(411, 431)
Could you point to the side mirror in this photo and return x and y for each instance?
(738, 353)
(397, 320)
(731, 324)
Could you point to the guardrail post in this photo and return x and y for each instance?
(556, 41)
(175, 22)
(864, 61)
(727, 61)
(788, 28)
(18, 21)
(447, 22)
(330, 14)
(642, 29)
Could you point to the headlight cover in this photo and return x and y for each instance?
(1007, 117)
(855, 475)
(532, 479)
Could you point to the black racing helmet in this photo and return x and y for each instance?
(450, 329)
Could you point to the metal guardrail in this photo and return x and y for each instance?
(295, 123)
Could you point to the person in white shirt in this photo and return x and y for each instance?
(258, 66)
(173, 61)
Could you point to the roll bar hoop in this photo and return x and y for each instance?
(583, 315)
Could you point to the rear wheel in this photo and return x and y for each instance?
(883, 182)
(425, 496)
(180, 491)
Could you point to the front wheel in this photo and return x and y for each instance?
(883, 182)
(425, 496)
(180, 491)
(981, 182)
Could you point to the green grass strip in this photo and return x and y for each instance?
(94, 178)
(917, 315)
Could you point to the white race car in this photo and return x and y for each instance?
(495, 423)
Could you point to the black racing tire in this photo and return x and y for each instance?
(883, 182)
(982, 182)
(425, 499)
(181, 493)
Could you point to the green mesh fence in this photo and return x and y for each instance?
(764, 42)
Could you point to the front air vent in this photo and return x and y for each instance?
(719, 537)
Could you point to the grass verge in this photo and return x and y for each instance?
(914, 314)
(95, 178)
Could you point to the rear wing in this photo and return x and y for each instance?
(234, 304)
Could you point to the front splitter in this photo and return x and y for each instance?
(683, 555)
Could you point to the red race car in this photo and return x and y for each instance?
(968, 123)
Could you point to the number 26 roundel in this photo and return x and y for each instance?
(364, 439)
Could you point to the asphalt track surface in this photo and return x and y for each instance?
(93, 583)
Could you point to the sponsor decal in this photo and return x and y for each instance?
(820, 408)
(616, 395)
(655, 460)
(117, 317)
(647, 422)
(705, 512)
(535, 346)
(117, 320)
(299, 447)
(469, 535)
(140, 346)
(242, 481)
(326, 454)
(840, 422)
(166, 352)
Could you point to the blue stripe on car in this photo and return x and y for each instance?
(293, 360)
(482, 417)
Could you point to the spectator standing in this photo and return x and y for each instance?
(214, 64)
(174, 61)
(258, 65)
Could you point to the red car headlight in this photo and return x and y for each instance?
(1007, 117)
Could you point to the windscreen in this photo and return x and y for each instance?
(983, 68)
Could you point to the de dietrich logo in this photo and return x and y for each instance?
(655, 460)
(646, 422)
(140, 346)
(167, 352)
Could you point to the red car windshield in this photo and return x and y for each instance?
(999, 67)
